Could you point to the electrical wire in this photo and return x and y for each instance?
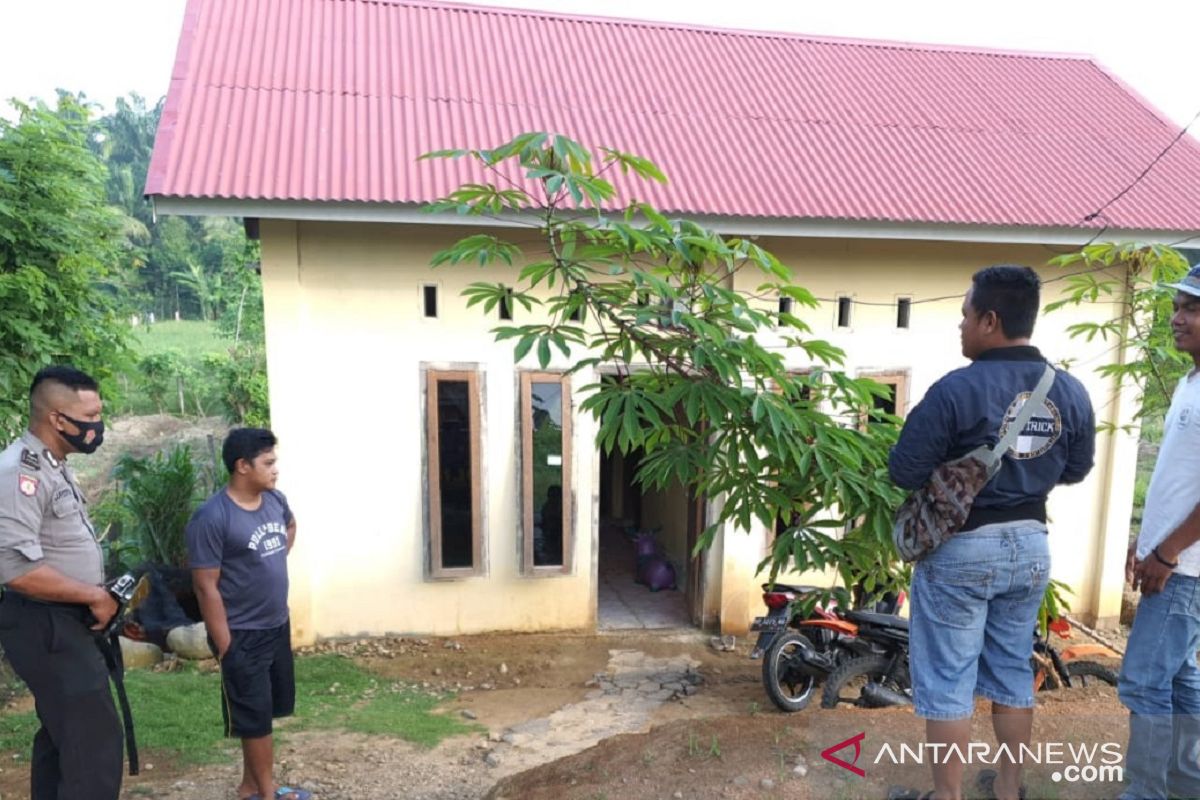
(1184, 240)
(1097, 214)
(1182, 132)
(958, 296)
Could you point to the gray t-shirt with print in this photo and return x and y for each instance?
(250, 548)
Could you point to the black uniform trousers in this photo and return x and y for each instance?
(78, 752)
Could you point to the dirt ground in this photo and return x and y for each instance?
(771, 755)
(143, 436)
(724, 741)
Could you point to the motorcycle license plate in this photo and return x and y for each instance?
(769, 624)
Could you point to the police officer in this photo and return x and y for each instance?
(52, 571)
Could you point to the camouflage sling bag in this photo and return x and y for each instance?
(939, 509)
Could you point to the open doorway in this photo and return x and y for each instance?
(647, 576)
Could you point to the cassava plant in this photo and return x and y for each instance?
(615, 284)
(1130, 275)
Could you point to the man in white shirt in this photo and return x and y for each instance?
(1160, 680)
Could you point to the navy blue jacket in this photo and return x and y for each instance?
(968, 407)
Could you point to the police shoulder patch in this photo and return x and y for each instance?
(27, 485)
(30, 460)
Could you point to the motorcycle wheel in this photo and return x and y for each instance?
(1089, 673)
(845, 684)
(787, 686)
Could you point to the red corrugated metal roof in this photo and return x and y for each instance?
(333, 100)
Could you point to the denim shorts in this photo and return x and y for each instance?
(974, 610)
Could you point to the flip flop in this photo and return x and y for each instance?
(284, 793)
(986, 783)
(288, 793)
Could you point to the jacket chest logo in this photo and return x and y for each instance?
(1040, 432)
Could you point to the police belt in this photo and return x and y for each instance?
(110, 648)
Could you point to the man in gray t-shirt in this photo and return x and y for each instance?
(238, 544)
(250, 548)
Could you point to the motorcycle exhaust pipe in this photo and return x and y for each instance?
(877, 695)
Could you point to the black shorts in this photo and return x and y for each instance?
(258, 681)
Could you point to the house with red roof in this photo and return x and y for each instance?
(883, 173)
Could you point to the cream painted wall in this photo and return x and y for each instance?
(345, 346)
(346, 341)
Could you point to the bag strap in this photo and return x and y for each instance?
(1023, 417)
(110, 648)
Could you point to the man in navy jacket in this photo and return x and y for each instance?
(975, 598)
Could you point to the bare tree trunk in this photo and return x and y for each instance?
(217, 474)
(237, 333)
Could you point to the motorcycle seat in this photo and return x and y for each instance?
(785, 587)
(880, 620)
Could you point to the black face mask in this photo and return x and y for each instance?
(76, 440)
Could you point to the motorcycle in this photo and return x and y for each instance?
(881, 679)
(1053, 669)
(797, 650)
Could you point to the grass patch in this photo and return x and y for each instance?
(191, 338)
(16, 732)
(176, 712)
(187, 341)
(336, 693)
(179, 712)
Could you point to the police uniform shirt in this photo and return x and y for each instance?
(43, 516)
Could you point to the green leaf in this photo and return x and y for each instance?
(443, 154)
(641, 167)
(524, 346)
(481, 248)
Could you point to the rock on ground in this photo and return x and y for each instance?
(190, 642)
(139, 655)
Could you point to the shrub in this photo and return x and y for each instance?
(161, 374)
(240, 378)
(157, 496)
(121, 547)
